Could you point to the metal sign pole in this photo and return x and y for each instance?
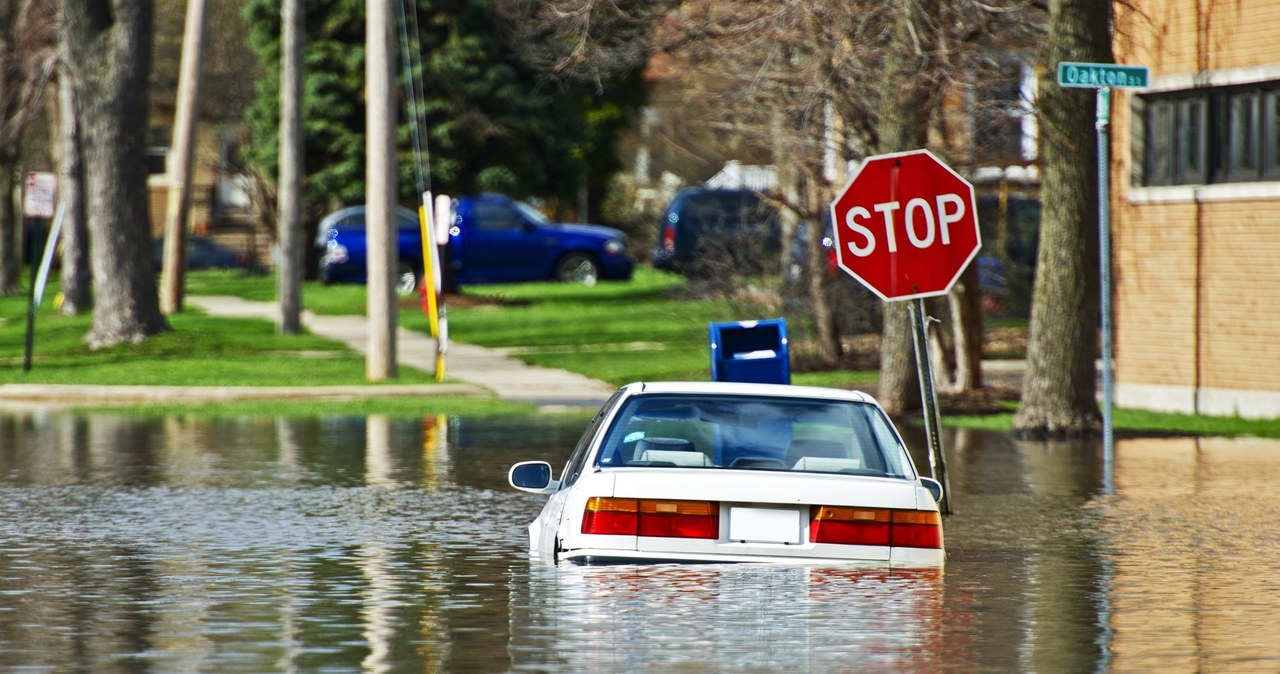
(1104, 77)
(929, 397)
(1104, 272)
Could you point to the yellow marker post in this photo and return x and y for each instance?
(432, 304)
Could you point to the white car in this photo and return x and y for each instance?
(731, 472)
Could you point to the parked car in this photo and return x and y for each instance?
(344, 249)
(204, 253)
(492, 239)
(707, 232)
(734, 472)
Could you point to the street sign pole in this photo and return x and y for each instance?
(1102, 124)
(929, 399)
(906, 226)
(1103, 77)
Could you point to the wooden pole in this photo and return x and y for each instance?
(181, 160)
(289, 226)
(381, 177)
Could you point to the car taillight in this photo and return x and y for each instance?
(669, 237)
(648, 517)
(875, 526)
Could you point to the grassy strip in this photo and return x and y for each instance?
(1144, 422)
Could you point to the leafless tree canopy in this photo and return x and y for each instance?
(582, 40)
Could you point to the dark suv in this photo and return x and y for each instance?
(709, 231)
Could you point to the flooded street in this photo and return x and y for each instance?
(143, 544)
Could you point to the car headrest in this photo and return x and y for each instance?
(664, 445)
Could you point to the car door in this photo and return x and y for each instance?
(552, 516)
(501, 245)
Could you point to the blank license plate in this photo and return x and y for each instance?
(764, 525)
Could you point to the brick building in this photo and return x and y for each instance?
(1196, 191)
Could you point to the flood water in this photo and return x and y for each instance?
(134, 544)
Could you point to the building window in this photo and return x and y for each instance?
(157, 150)
(1217, 135)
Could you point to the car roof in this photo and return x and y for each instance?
(334, 216)
(741, 388)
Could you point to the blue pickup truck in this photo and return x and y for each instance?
(492, 239)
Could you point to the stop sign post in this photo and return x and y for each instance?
(906, 226)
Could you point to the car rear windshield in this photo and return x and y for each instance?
(731, 209)
(754, 433)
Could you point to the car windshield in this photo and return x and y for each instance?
(532, 213)
(754, 432)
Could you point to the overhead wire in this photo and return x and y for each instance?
(411, 61)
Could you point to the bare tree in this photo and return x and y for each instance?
(906, 99)
(108, 48)
(26, 63)
(1058, 393)
(847, 79)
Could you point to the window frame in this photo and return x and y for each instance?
(1210, 135)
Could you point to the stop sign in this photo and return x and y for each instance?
(906, 225)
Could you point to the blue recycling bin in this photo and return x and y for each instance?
(750, 351)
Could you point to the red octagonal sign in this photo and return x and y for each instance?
(906, 225)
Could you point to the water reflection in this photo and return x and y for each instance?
(385, 544)
(1194, 538)
(726, 618)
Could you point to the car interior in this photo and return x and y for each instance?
(745, 436)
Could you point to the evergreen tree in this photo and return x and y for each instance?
(492, 123)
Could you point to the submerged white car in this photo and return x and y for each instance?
(730, 472)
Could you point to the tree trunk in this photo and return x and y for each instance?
(76, 295)
(1059, 389)
(824, 319)
(10, 218)
(966, 313)
(10, 229)
(109, 59)
(904, 103)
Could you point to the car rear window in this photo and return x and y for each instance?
(724, 209)
(754, 433)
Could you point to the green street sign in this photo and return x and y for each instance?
(1102, 76)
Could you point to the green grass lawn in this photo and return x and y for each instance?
(1143, 422)
(198, 351)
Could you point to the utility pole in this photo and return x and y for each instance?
(381, 180)
(181, 159)
(289, 206)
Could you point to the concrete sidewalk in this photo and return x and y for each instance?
(469, 369)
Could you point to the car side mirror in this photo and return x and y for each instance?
(934, 487)
(532, 476)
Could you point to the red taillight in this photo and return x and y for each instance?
(610, 516)
(644, 517)
(876, 526)
(849, 526)
(669, 237)
(917, 529)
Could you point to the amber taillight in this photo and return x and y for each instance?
(875, 526)
(650, 517)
